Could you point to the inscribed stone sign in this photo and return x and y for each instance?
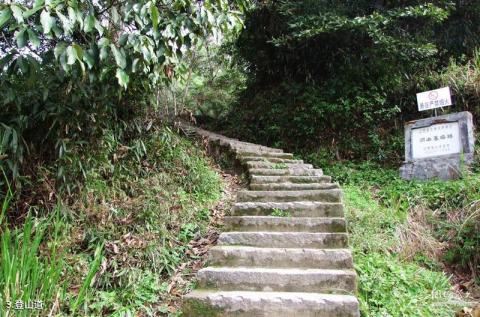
(436, 140)
(439, 147)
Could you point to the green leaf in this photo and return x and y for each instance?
(99, 27)
(71, 55)
(5, 15)
(38, 3)
(74, 14)
(67, 23)
(89, 23)
(78, 51)
(59, 50)
(169, 32)
(6, 60)
(47, 21)
(119, 55)
(57, 31)
(135, 64)
(88, 58)
(102, 42)
(63, 60)
(123, 39)
(32, 36)
(17, 13)
(21, 38)
(22, 64)
(154, 15)
(80, 18)
(75, 53)
(30, 12)
(103, 53)
(122, 77)
(115, 15)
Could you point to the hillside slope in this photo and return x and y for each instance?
(129, 240)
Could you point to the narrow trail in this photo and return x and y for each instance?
(284, 248)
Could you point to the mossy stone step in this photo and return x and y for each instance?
(281, 280)
(285, 172)
(295, 209)
(285, 239)
(201, 303)
(327, 195)
(260, 164)
(268, 159)
(270, 179)
(241, 256)
(284, 224)
(293, 186)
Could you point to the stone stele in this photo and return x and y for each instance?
(438, 147)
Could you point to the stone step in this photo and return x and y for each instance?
(268, 159)
(201, 303)
(224, 142)
(280, 257)
(251, 148)
(237, 143)
(281, 280)
(260, 164)
(284, 224)
(327, 195)
(262, 179)
(241, 144)
(293, 186)
(263, 154)
(295, 209)
(286, 172)
(285, 239)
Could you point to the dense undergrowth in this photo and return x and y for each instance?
(341, 76)
(416, 244)
(114, 249)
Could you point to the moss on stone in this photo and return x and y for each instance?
(197, 308)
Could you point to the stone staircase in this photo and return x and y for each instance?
(284, 250)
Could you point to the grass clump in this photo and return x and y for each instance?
(391, 287)
(29, 282)
(388, 284)
(276, 212)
